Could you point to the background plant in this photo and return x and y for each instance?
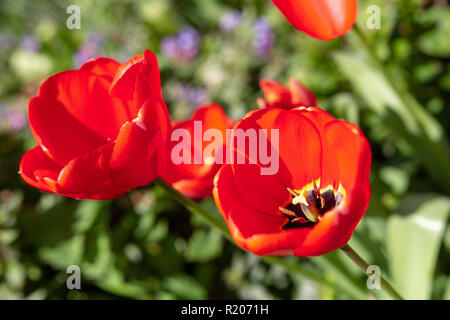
(143, 245)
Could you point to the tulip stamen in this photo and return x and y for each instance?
(292, 192)
(307, 206)
(288, 212)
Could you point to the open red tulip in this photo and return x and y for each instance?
(320, 19)
(101, 130)
(277, 95)
(320, 192)
(196, 180)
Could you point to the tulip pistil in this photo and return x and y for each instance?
(307, 206)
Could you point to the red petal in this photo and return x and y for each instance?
(139, 153)
(197, 189)
(352, 154)
(85, 173)
(89, 177)
(336, 227)
(35, 167)
(275, 94)
(102, 67)
(84, 96)
(124, 82)
(252, 230)
(321, 19)
(138, 79)
(301, 96)
(148, 82)
(299, 146)
(54, 128)
(300, 149)
(264, 193)
(196, 180)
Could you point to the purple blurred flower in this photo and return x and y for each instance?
(196, 96)
(169, 46)
(263, 37)
(12, 120)
(183, 46)
(7, 40)
(192, 96)
(230, 20)
(16, 120)
(30, 43)
(89, 49)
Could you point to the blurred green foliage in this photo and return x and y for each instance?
(143, 245)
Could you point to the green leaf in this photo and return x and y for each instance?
(185, 287)
(98, 255)
(447, 291)
(414, 236)
(204, 246)
(63, 254)
(373, 87)
(115, 283)
(86, 214)
(430, 144)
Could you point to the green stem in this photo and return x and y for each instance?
(195, 208)
(363, 265)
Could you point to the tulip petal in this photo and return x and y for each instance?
(86, 97)
(87, 171)
(196, 189)
(138, 79)
(255, 231)
(299, 144)
(148, 81)
(336, 226)
(139, 154)
(321, 19)
(275, 94)
(35, 166)
(196, 180)
(124, 82)
(262, 192)
(301, 96)
(101, 67)
(351, 152)
(54, 128)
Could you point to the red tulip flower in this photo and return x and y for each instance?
(320, 19)
(278, 96)
(101, 130)
(196, 180)
(316, 199)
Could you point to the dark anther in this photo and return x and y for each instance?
(308, 210)
(327, 201)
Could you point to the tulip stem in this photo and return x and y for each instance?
(363, 265)
(196, 208)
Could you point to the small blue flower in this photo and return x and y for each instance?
(89, 49)
(230, 20)
(30, 43)
(183, 46)
(263, 37)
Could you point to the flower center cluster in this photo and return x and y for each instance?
(308, 205)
